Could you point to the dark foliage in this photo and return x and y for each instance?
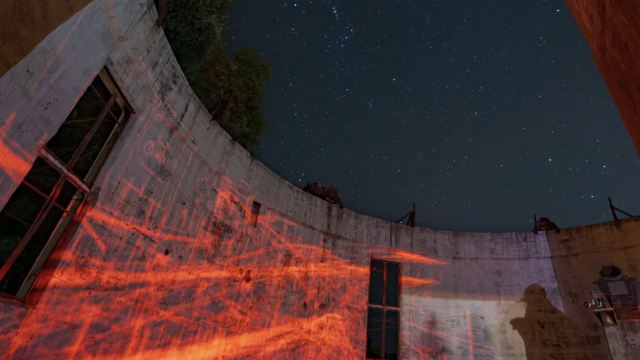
(194, 30)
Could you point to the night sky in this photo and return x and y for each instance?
(483, 113)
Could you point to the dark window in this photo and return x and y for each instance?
(52, 192)
(383, 318)
(255, 212)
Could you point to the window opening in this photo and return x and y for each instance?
(383, 317)
(52, 192)
(255, 213)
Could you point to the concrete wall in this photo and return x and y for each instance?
(578, 255)
(293, 287)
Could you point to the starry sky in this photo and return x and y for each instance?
(483, 113)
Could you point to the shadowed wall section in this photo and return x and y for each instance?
(612, 29)
(578, 256)
(170, 263)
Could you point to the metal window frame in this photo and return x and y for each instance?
(84, 186)
(384, 307)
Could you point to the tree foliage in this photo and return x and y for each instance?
(245, 120)
(194, 30)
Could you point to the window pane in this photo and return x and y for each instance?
(76, 200)
(375, 314)
(42, 176)
(66, 194)
(73, 130)
(11, 283)
(391, 315)
(391, 336)
(376, 283)
(116, 111)
(15, 219)
(374, 334)
(101, 87)
(21, 267)
(91, 152)
(391, 298)
(377, 265)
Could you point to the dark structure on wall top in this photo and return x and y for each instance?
(616, 297)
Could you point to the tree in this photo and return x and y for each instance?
(219, 76)
(245, 121)
(194, 28)
(214, 76)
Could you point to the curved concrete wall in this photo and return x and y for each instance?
(293, 286)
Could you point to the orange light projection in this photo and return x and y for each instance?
(168, 265)
(171, 264)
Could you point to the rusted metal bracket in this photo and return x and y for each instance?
(613, 211)
(162, 8)
(328, 193)
(412, 217)
(544, 224)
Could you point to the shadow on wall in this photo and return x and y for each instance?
(535, 327)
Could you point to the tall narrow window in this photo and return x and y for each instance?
(52, 192)
(255, 212)
(383, 319)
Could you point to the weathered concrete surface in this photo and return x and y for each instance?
(25, 23)
(293, 287)
(612, 29)
(11, 315)
(578, 256)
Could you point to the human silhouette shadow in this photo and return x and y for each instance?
(546, 331)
